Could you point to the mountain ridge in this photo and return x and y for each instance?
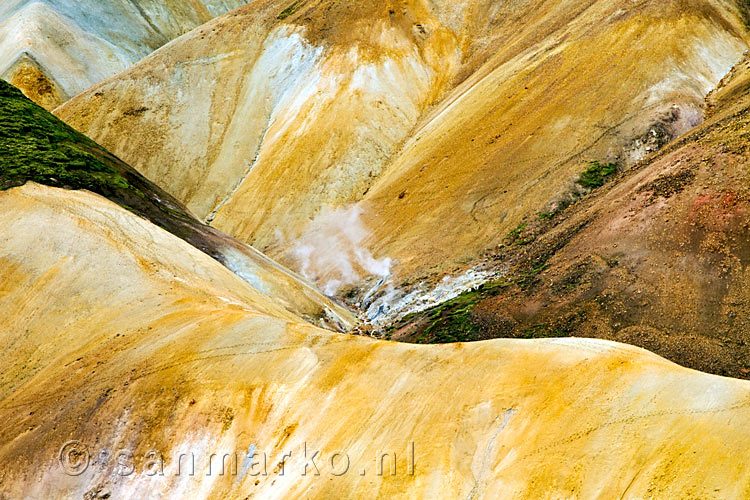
(656, 257)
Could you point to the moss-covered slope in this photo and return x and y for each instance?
(34, 145)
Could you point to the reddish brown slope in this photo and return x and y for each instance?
(659, 258)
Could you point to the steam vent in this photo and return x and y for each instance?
(375, 249)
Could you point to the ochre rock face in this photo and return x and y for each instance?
(54, 49)
(36, 85)
(124, 338)
(447, 123)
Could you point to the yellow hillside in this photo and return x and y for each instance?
(120, 336)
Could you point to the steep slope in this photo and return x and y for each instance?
(659, 257)
(36, 146)
(447, 123)
(140, 348)
(54, 49)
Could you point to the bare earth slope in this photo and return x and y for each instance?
(54, 49)
(448, 123)
(125, 338)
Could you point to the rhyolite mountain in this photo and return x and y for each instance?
(536, 171)
(447, 123)
(54, 49)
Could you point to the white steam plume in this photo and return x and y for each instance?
(330, 251)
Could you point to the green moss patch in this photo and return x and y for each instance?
(451, 321)
(36, 146)
(518, 236)
(597, 173)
